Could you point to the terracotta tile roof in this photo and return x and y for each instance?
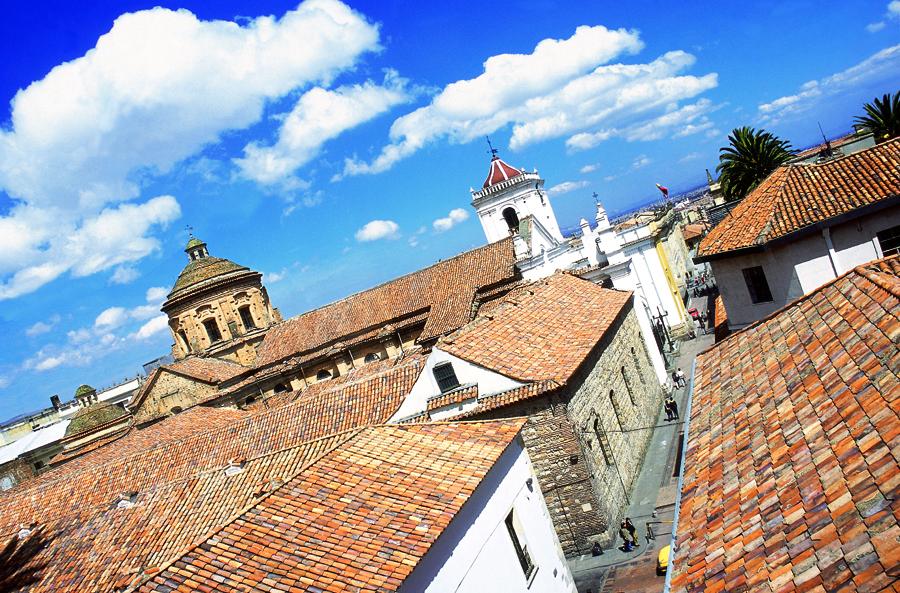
(541, 331)
(791, 479)
(360, 518)
(212, 371)
(720, 320)
(495, 401)
(457, 396)
(797, 196)
(104, 548)
(692, 231)
(445, 290)
(202, 272)
(72, 488)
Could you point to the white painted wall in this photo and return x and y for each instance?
(426, 386)
(475, 554)
(800, 267)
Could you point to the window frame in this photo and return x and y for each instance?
(245, 310)
(442, 380)
(892, 235)
(521, 550)
(215, 324)
(757, 292)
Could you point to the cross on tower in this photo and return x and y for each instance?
(189, 229)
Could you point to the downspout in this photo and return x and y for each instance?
(832, 254)
(687, 427)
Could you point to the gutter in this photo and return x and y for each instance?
(684, 449)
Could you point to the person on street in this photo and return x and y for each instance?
(627, 544)
(682, 381)
(672, 406)
(631, 529)
(675, 379)
(667, 406)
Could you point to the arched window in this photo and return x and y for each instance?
(184, 340)
(612, 399)
(246, 317)
(322, 375)
(512, 219)
(628, 386)
(212, 330)
(372, 357)
(282, 388)
(603, 442)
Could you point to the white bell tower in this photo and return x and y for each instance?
(507, 196)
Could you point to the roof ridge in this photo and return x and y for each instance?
(392, 280)
(145, 576)
(844, 156)
(862, 269)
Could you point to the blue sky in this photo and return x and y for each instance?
(332, 146)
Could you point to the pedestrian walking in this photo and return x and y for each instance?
(627, 544)
(673, 407)
(631, 529)
(682, 381)
(675, 379)
(667, 405)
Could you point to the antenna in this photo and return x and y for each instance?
(493, 150)
(828, 150)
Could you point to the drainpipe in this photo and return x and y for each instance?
(687, 427)
(832, 254)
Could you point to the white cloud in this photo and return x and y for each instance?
(877, 71)
(589, 168)
(691, 156)
(566, 187)
(42, 327)
(378, 229)
(273, 277)
(157, 294)
(456, 216)
(640, 162)
(4, 381)
(892, 13)
(111, 318)
(562, 88)
(124, 275)
(157, 325)
(319, 116)
(156, 89)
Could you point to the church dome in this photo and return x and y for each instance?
(203, 270)
(89, 418)
(500, 171)
(84, 390)
(194, 242)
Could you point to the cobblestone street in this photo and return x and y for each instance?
(652, 503)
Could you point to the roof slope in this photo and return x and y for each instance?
(203, 270)
(415, 477)
(211, 371)
(500, 171)
(800, 195)
(791, 477)
(540, 331)
(446, 290)
(67, 492)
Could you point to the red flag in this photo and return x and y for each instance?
(664, 190)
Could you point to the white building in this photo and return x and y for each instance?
(805, 225)
(626, 257)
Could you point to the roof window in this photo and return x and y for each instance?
(445, 377)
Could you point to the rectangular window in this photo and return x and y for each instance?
(212, 330)
(445, 377)
(889, 239)
(246, 318)
(521, 550)
(757, 285)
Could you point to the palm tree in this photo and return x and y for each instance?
(750, 157)
(882, 117)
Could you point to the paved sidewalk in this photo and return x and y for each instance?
(654, 492)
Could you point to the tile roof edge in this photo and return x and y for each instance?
(146, 575)
(861, 269)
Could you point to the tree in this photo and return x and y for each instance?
(750, 157)
(882, 117)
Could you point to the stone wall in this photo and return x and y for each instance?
(584, 493)
(171, 391)
(15, 472)
(612, 403)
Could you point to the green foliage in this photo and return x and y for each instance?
(882, 117)
(750, 157)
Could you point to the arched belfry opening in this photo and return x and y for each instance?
(512, 219)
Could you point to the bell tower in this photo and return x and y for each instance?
(507, 196)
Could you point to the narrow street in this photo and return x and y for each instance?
(652, 500)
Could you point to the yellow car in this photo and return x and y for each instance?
(662, 561)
